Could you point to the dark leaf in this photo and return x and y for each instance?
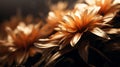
(99, 52)
(58, 54)
(83, 50)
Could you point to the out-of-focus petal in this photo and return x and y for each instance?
(58, 35)
(75, 39)
(108, 17)
(80, 7)
(97, 31)
(45, 39)
(69, 20)
(21, 57)
(54, 57)
(116, 2)
(93, 10)
(101, 25)
(112, 31)
(114, 9)
(59, 6)
(58, 54)
(47, 45)
(90, 2)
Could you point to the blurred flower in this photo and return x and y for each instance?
(19, 44)
(108, 8)
(54, 16)
(52, 22)
(60, 6)
(13, 22)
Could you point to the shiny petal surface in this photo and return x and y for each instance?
(75, 39)
(47, 45)
(97, 31)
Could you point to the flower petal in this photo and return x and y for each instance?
(45, 39)
(112, 30)
(47, 45)
(58, 54)
(20, 58)
(75, 39)
(90, 2)
(108, 17)
(116, 2)
(93, 10)
(97, 31)
(58, 35)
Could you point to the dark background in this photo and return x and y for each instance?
(36, 7)
(9, 8)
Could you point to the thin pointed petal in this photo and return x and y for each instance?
(47, 45)
(97, 31)
(112, 31)
(44, 39)
(90, 2)
(108, 17)
(58, 54)
(57, 35)
(116, 2)
(20, 57)
(75, 39)
(54, 57)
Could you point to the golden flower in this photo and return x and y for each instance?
(105, 5)
(73, 25)
(52, 22)
(108, 8)
(60, 6)
(20, 43)
(57, 11)
(54, 16)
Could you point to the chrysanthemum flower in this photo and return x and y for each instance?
(73, 26)
(20, 43)
(52, 22)
(54, 16)
(108, 8)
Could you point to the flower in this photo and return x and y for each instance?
(19, 44)
(73, 26)
(52, 22)
(105, 5)
(108, 8)
(54, 16)
(60, 6)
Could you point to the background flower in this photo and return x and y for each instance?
(108, 9)
(19, 44)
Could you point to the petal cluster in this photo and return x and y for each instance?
(20, 43)
(74, 24)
